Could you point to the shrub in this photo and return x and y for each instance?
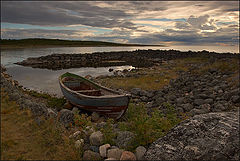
(82, 121)
(57, 103)
(108, 132)
(148, 128)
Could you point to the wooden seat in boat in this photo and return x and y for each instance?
(92, 92)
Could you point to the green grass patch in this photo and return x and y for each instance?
(231, 65)
(38, 95)
(108, 133)
(56, 103)
(52, 102)
(152, 80)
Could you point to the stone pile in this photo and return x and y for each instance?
(195, 94)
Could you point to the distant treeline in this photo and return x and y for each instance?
(35, 42)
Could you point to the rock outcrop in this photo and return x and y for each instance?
(209, 136)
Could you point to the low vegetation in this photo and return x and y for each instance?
(148, 128)
(152, 78)
(52, 102)
(22, 138)
(231, 65)
(108, 132)
(81, 121)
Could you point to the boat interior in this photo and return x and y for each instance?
(84, 87)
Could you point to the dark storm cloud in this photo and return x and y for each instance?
(63, 13)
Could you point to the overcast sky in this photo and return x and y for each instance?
(149, 22)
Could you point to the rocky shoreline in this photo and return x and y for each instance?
(137, 58)
(211, 131)
(195, 94)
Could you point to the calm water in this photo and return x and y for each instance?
(47, 80)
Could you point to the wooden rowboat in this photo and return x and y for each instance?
(90, 96)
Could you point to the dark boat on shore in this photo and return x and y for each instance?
(90, 96)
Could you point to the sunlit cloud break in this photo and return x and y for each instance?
(144, 22)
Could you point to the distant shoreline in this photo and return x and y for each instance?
(51, 43)
(3, 47)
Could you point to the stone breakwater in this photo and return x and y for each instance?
(138, 58)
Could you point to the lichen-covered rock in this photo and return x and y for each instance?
(90, 155)
(66, 117)
(124, 139)
(114, 153)
(209, 136)
(103, 150)
(140, 151)
(38, 109)
(96, 138)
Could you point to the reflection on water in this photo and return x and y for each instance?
(47, 80)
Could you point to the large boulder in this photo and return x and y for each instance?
(209, 136)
